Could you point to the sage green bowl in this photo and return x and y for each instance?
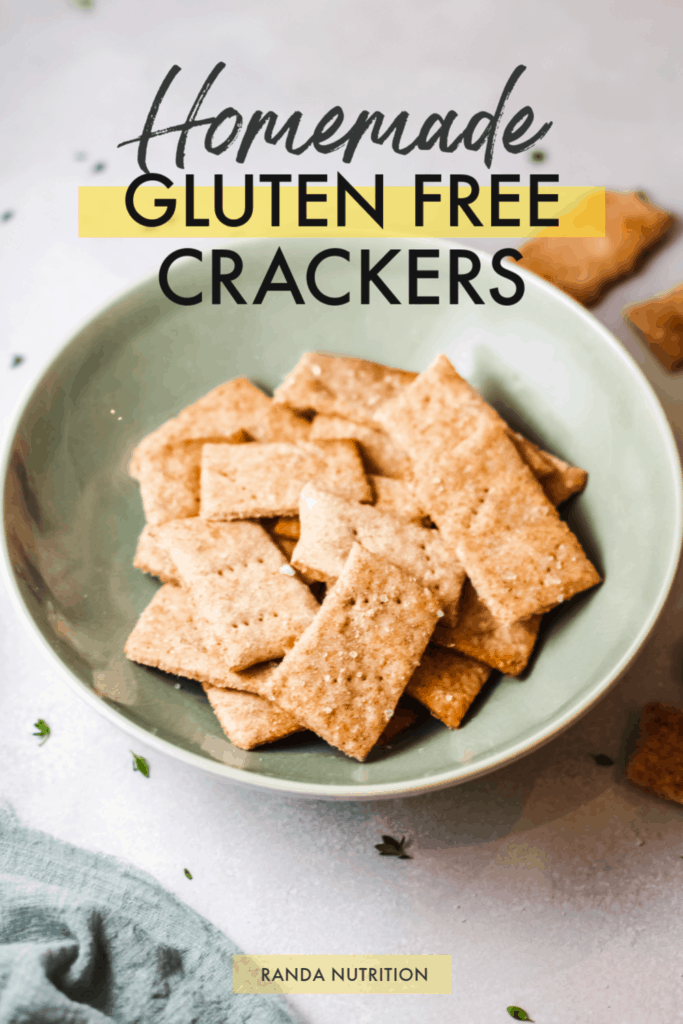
(73, 515)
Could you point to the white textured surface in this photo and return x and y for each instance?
(554, 884)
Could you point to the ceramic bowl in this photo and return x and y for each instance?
(73, 515)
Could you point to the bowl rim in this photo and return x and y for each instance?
(357, 791)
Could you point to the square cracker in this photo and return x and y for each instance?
(259, 480)
(586, 267)
(344, 676)
(341, 386)
(235, 407)
(447, 682)
(246, 609)
(396, 498)
(558, 479)
(165, 637)
(489, 507)
(378, 453)
(248, 720)
(660, 322)
(151, 556)
(506, 646)
(657, 764)
(330, 525)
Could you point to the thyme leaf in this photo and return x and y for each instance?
(43, 730)
(517, 1013)
(390, 847)
(188, 874)
(140, 765)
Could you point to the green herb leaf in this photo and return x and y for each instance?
(84, 5)
(16, 361)
(140, 765)
(43, 730)
(188, 874)
(391, 847)
(517, 1013)
(6, 215)
(604, 760)
(537, 156)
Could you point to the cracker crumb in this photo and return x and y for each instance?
(287, 570)
(388, 713)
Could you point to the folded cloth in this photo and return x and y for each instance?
(88, 939)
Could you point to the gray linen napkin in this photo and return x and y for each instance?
(88, 939)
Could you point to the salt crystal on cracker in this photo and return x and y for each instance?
(341, 386)
(346, 700)
(330, 525)
(378, 453)
(259, 480)
(248, 720)
(657, 764)
(245, 609)
(447, 682)
(586, 267)
(486, 502)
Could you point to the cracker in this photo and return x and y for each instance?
(586, 267)
(330, 525)
(486, 502)
(248, 720)
(235, 407)
(401, 720)
(346, 673)
(447, 682)
(396, 498)
(657, 764)
(151, 557)
(506, 646)
(255, 480)
(341, 386)
(558, 479)
(246, 609)
(378, 453)
(287, 526)
(660, 322)
(165, 637)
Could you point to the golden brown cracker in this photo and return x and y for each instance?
(486, 502)
(249, 605)
(657, 764)
(395, 497)
(248, 720)
(379, 455)
(233, 408)
(258, 480)
(586, 267)
(166, 637)
(330, 525)
(344, 676)
(151, 557)
(287, 526)
(558, 479)
(447, 682)
(401, 720)
(341, 386)
(506, 646)
(660, 322)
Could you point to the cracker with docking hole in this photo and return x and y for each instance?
(396, 498)
(246, 608)
(379, 455)
(341, 386)
(447, 682)
(586, 267)
(249, 720)
(345, 674)
(468, 476)
(659, 321)
(330, 525)
(261, 480)
(165, 637)
(558, 479)
(657, 763)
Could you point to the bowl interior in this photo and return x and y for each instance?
(73, 515)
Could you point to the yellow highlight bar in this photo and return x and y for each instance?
(277, 975)
(102, 213)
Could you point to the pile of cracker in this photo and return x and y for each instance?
(365, 533)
